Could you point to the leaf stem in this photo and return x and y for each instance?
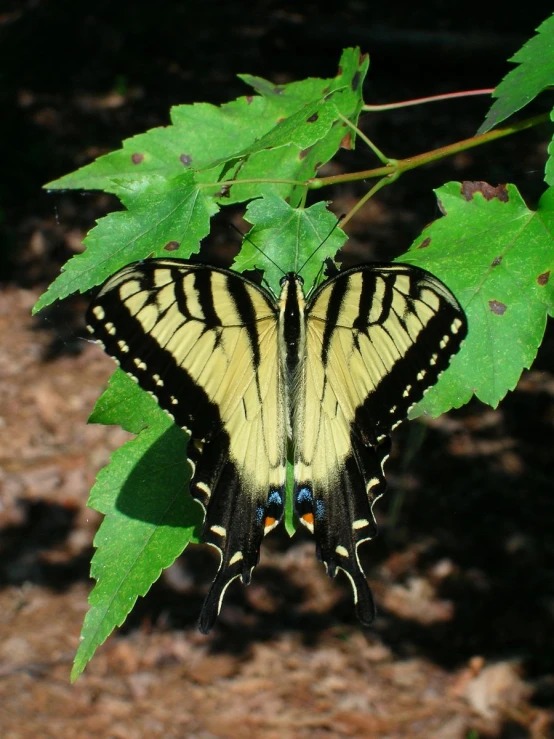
(378, 185)
(250, 180)
(430, 99)
(383, 158)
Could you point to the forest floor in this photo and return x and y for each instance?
(461, 644)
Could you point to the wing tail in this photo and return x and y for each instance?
(237, 518)
(342, 517)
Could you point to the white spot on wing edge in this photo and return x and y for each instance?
(204, 488)
(237, 556)
(343, 551)
(456, 325)
(99, 312)
(139, 364)
(219, 530)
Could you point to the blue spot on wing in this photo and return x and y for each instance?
(304, 495)
(275, 498)
(319, 509)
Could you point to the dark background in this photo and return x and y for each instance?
(473, 490)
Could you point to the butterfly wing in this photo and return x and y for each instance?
(204, 342)
(377, 338)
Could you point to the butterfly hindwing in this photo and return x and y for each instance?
(204, 342)
(377, 338)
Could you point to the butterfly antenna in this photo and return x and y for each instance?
(323, 242)
(247, 238)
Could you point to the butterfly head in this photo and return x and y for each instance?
(291, 278)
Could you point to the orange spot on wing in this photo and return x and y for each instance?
(309, 518)
(269, 521)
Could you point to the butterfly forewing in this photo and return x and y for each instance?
(203, 341)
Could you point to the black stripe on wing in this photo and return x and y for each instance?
(423, 361)
(154, 368)
(385, 307)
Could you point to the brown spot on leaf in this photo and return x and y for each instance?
(543, 279)
(225, 192)
(317, 165)
(496, 261)
(425, 243)
(489, 192)
(172, 246)
(325, 90)
(339, 73)
(497, 307)
(313, 118)
(346, 141)
(304, 153)
(249, 99)
(185, 159)
(355, 81)
(281, 119)
(137, 157)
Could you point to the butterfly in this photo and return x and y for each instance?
(254, 378)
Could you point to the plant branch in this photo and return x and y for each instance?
(404, 165)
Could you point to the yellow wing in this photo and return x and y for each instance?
(204, 342)
(377, 338)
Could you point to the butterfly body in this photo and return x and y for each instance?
(249, 376)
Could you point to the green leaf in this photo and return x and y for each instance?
(171, 178)
(200, 135)
(523, 84)
(165, 218)
(125, 404)
(205, 138)
(549, 169)
(283, 239)
(497, 256)
(149, 516)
